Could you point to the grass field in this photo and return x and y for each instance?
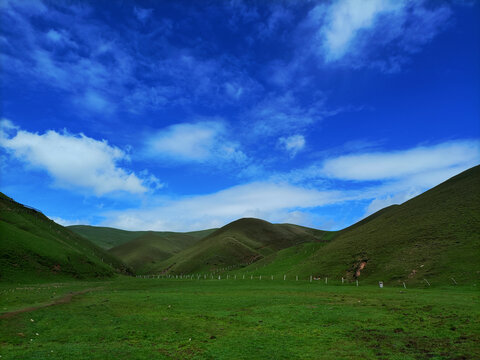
(238, 319)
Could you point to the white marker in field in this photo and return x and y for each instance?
(405, 286)
(310, 278)
(260, 277)
(284, 277)
(326, 281)
(296, 278)
(380, 283)
(342, 280)
(357, 282)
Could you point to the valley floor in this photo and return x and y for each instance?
(242, 319)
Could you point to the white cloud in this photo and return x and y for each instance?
(74, 160)
(351, 32)
(270, 201)
(195, 142)
(346, 18)
(292, 144)
(389, 165)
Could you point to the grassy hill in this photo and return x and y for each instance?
(105, 237)
(239, 243)
(434, 236)
(151, 247)
(33, 248)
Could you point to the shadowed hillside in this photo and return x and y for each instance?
(435, 235)
(239, 243)
(33, 247)
(105, 237)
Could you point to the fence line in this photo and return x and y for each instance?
(272, 277)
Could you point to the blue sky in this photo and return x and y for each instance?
(187, 115)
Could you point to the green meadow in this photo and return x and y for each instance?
(133, 318)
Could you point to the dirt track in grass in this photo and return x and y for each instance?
(62, 300)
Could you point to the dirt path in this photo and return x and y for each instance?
(63, 300)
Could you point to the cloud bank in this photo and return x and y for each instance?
(270, 201)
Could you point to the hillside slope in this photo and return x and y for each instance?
(152, 247)
(238, 243)
(33, 247)
(434, 236)
(105, 237)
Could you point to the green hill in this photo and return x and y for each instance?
(151, 247)
(239, 243)
(434, 236)
(33, 247)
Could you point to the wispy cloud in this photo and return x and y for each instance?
(75, 161)
(204, 142)
(102, 68)
(279, 115)
(292, 144)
